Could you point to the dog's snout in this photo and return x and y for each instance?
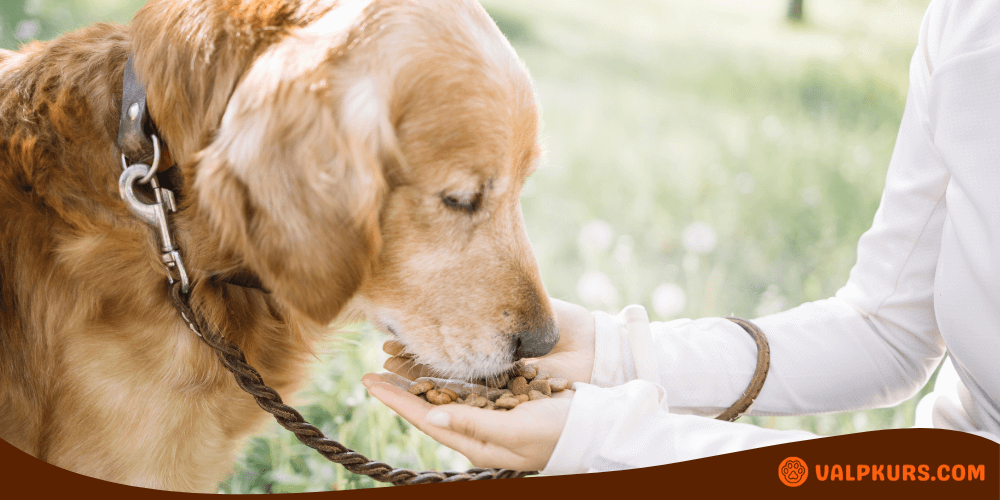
(537, 341)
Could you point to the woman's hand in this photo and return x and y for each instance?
(572, 358)
(519, 439)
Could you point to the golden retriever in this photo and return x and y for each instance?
(353, 154)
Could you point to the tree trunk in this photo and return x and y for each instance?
(795, 10)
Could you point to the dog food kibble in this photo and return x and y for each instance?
(519, 386)
(507, 402)
(493, 394)
(477, 401)
(418, 388)
(541, 386)
(558, 384)
(533, 395)
(528, 371)
(524, 383)
(438, 397)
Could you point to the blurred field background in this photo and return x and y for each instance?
(703, 159)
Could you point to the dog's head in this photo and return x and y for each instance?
(366, 150)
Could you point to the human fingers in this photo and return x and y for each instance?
(415, 411)
(407, 367)
(572, 357)
(576, 323)
(388, 377)
(394, 348)
(521, 439)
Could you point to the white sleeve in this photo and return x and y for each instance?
(874, 344)
(627, 427)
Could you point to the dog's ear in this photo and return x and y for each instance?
(293, 182)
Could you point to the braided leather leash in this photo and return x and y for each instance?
(249, 380)
(268, 399)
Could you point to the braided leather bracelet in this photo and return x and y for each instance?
(743, 404)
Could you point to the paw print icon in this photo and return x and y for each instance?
(793, 471)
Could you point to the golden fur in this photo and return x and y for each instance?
(364, 154)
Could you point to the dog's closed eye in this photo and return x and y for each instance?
(466, 201)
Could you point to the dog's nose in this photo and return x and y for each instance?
(537, 341)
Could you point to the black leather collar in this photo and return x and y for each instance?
(135, 131)
(135, 127)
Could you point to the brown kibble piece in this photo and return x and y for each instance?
(418, 388)
(534, 395)
(558, 384)
(530, 384)
(503, 379)
(477, 401)
(507, 403)
(541, 386)
(494, 394)
(519, 386)
(438, 398)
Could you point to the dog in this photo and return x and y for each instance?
(354, 156)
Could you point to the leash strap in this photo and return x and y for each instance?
(249, 379)
(233, 358)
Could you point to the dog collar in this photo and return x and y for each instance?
(135, 129)
(139, 142)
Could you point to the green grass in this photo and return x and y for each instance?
(657, 115)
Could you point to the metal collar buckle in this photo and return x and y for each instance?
(156, 213)
(139, 144)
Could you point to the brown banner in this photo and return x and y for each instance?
(910, 463)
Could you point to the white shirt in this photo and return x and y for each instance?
(926, 282)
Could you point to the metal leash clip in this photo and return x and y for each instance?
(154, 214)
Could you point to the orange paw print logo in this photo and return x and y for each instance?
(793, 471)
